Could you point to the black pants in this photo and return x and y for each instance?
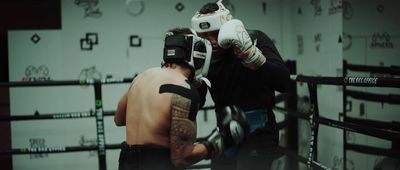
(144, 157)
(257, 152)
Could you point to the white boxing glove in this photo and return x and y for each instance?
(234, 33)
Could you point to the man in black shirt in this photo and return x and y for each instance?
(246, 69)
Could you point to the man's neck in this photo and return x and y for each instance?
(181, 70)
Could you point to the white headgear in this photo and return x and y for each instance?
(190, 49)
(211, 21)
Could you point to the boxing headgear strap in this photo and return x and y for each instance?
(190, 49)
(211, 21)
(190, 94)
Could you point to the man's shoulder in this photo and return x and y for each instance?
(254, 33)
(262, 38)
(152, 69)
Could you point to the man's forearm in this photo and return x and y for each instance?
(192, 155)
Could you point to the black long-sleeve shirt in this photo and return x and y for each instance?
(234, 84)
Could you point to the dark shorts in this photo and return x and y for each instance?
(144, 157)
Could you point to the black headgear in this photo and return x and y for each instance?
(191, 50)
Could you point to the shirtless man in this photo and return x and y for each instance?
(160, 108)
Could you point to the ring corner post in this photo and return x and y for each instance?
(291, 104)
(100, 126)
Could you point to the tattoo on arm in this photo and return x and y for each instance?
(183, 130)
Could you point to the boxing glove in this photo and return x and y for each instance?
(214, 143)
(234, 33)
(234, 125)
(230, 132)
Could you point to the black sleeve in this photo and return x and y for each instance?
(274, 72)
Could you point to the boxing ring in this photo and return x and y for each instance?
(387, 131)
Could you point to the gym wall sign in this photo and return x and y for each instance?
(381, 40)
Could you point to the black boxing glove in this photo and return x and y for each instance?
(234, 125)
(231, 132)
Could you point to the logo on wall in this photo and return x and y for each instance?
(40, 73)
(90, 40)
(347, 41)
(135, 41)
(264, 8)
(91, 8)
(179, 7)
(300, 45)
(347, 10)
(134, 7)
(90, 73)
(37, 143)
(317, 41)
(381, 40)
(88, 142)
(335, 7)
(35, 38)
(317, 6)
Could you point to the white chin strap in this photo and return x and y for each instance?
(205, 80)
(211, 21)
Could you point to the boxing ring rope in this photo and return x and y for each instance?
(98, 114)
(393, 126)
(392, 70)
(313, 117)
(374, 150)
(65, 82)
(354, 127)
(344, 81)
(350, 81)
(384, 98)
(367, 96)
(68, 115)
